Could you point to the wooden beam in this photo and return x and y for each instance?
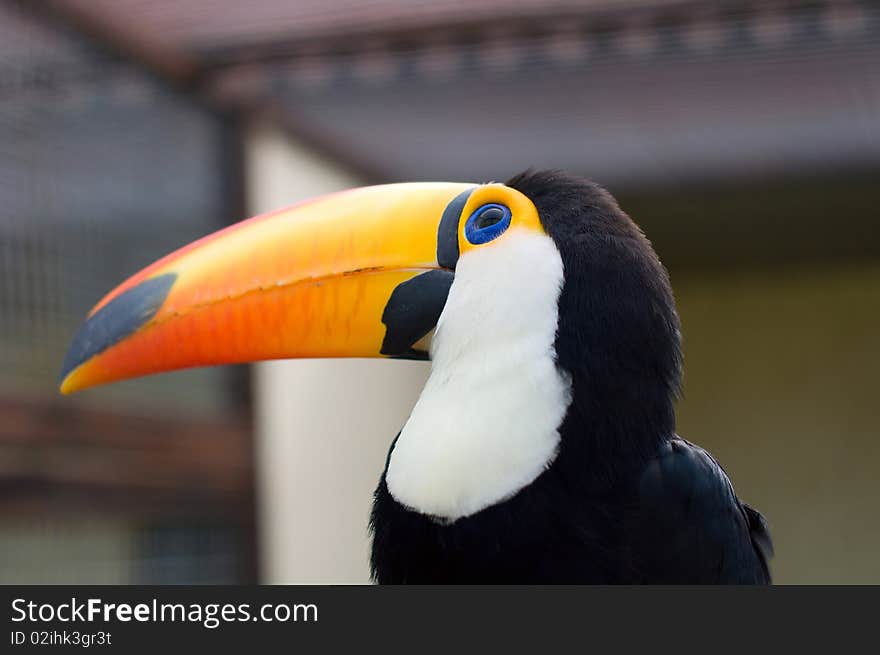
(462, 30)
(57, 451)
(186, 74)
(116, 35)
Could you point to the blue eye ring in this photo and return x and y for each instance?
(487, 222)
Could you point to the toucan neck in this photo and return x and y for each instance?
(615, 421)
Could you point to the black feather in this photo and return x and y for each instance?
(690, 527)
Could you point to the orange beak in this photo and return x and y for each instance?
(361, 273)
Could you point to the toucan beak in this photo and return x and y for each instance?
(361, 273)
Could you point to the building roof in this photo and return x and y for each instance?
(632, 91)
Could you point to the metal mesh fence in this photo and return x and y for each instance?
(102, 170)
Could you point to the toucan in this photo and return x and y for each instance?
(543, 447)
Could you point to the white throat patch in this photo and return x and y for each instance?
(485, 425)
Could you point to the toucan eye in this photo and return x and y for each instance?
(486, 223)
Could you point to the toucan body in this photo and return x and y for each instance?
(543, 446)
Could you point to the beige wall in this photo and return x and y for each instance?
(323, 427)
(781, 385)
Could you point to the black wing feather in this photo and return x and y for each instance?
(691, 527)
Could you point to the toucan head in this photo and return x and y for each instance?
(368, 273)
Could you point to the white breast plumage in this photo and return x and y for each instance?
(486, 424)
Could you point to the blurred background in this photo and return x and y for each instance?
(744, 137)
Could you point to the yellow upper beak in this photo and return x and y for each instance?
(360, 273)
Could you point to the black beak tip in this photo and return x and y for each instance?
(116, 320)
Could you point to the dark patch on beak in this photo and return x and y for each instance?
(447, 232)
(412, 311)
(117, 319)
